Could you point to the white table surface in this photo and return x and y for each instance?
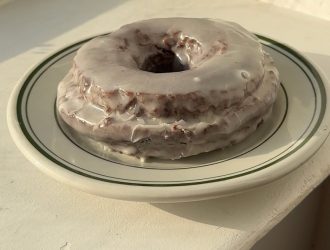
(37, 212)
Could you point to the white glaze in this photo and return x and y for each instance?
(172, 137)
(128, 128)
(102, 61)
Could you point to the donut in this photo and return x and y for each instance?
(169, 87)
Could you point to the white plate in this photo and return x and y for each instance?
(297, 128)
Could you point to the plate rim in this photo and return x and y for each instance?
(165, 193)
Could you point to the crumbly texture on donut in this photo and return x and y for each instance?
(225, 86)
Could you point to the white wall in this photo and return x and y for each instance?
(319, 8)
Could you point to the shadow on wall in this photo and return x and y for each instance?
(232, 211)
(40, 21)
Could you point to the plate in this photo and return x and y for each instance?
(296, 129)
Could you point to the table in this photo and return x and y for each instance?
(37, 212)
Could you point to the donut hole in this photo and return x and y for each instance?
(164, 61)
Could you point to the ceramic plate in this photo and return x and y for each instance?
(297, 128)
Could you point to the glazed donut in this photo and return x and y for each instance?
(169, 88)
